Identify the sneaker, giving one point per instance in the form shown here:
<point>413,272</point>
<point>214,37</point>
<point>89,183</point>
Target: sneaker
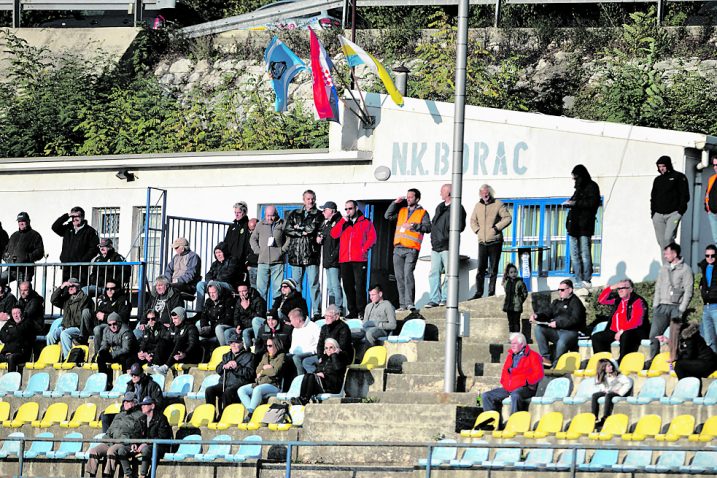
<point>402,309</point>
<point>431,305</point>
<point>442,303</point>
<point>163,369</point>
<point>153,369</point>
<point>587,284</point>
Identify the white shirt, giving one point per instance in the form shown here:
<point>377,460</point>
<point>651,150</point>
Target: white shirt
<point>305,339</point>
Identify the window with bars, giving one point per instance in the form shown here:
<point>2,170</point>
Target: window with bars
<point>539,223</point>
<point>106,220</point>
<point>154,240</point>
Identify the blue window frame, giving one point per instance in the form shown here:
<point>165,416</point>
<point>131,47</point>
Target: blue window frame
<point>540,223</point>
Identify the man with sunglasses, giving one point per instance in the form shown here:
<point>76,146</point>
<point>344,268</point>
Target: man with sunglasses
<point>75,323</point>
<point>118,346</point>
<point>708,290</point>
<point>112,300</point>
<point>559,324</point>
<point>629,322</point>
<point>711,198</point>
<point>79,243</point>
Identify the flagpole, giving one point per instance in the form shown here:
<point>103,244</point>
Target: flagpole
<point>365,116</point>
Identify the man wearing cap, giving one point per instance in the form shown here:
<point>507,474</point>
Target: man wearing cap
<point>25,245</point>
<point>330,253</point>
<point>304,341</point>
<point>236,240</point>
<point>76,320</point>
<point>668,201</point>
<point>267,241</point>
<point>235,369</point>
<point>79,243</point>
<point>184,337</point>
<point>412,223</point>
<point>118,346</point>
<point>287,300</point>
<point>143,386</point>
<point>112,300</point>
<point>100,274</point>
<point>184,270</point>
<point>155,427</point>
<point>125,426</point>
<point>302,250</point>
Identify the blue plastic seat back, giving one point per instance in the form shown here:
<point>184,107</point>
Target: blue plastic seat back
<point>38,383</point>
<point>686,389</point>
<point>67,383</point>
<point>539,456</point>
<point>41,447</point>
<point>10,382</point>
<point>190,449</point>
<point>120,383</point>
<point>95,383</point>
<point>652,389</point>
<point>566,457</point>
<point>354,324</point>
<point>320,323</point>
<point>604,458</point>
<point>507,455</point>
<point>160,379</point>
<point>475,456</point>
<point>583,392</point>
<point>638,458</point>
<point>599,327</point>
<point>294,389</point>
<point>671,459</point>
<point>181,385</point>
<point>445,453</point>
<point>10,446</point>
<point>250,448</point>
<point>705,459</point>
<point>556,389</point>
<point>209,381</point>
<point>68,448</point>
<point>219,448</point>
<point>413,329</point>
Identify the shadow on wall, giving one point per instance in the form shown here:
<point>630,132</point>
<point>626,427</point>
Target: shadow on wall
<point>620,273</point>
<point>654,270</point>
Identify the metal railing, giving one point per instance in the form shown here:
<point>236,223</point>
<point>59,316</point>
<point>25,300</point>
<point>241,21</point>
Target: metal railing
<point>292,445</point>
<point>135,7</point>
<point>203,235</point>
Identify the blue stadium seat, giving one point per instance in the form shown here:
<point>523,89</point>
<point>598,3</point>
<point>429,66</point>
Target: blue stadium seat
<point>566,460</point>
<point>208,381</point>
<point>686,389</point>
<point>217,449</point>
<point>40,448</point>
<point>537,459</point>
<point>118,387</point>
<point>557,389</point>
<point>651,391</point>
<point>65,385</point>
<point>250,449</point>
<point>412,331</point>
<point>588,342</point>
<point>294,389</point>
<point>635,460</point>
<point>601,460</point>
<point>94,385</point>
<point>38,383</point>
<point>185,450</point>
<point>702,462</point>
<point>10,383</point>
<point>180,386</point>
<point>67,449</point>
<point>472,456</point>
<point>11,447</point>
<point>668,461</point>
<point>504,457</point>
<point>710,397</point>
<point>441,454</point>
<point>583,393</point>
<point>160,379</point>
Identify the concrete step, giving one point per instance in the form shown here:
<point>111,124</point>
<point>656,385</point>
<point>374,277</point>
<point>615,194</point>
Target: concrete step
<point>470,367</point>
<point>434,383</point>
<point>465,399</point>
<point>486,353</point>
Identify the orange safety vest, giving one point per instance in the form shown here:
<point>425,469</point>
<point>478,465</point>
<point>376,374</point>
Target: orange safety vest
<point>710,184</point>
<point>408,237</point>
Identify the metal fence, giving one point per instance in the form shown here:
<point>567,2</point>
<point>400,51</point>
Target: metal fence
<point>203,235</point>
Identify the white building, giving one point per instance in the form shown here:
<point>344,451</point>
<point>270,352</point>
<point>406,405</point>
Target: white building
<point>526,157</point>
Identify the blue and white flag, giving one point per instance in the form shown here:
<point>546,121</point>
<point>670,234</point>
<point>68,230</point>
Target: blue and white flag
<point>283,65</point>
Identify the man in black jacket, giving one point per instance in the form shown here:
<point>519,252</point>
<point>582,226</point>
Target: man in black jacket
<point>249,315</point>
<point>25,245</point>
<point>143,386</point>
<point>302,249</point>
<point>559,324</point>
<point>79,243</point>
<point>154,345</point>
<point>580,224</point>
<point>217,315</point>
<point>288,300</point>
<point>112,300</point>
<point>668,201</point>
<point>335,328</point>
<point>7,302</point>
<point>235,369</point>
<point>223,272</point>
<point>33,306</point>
<point>330,253</point>
<point>185,342</point>
<point>237,239</point>
<point>99,275</point>
<point>154,427</point>
<point>708,290</point>
<point>440,229</point>
<point>18,336</point>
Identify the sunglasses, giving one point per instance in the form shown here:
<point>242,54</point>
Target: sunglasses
<point>110,288</point>
<point>349,209</point>
<point>270,346</point>
<point>561,289</point>
<point>623,288</point>
<point>72,286</point>
<point>709,255</point>
<point>76,217</point>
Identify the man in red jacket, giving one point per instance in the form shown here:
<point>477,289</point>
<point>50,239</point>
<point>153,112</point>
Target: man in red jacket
<point>522,371</point>
<point>356,236</point>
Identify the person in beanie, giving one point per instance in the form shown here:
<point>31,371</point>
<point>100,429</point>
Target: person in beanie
<point>25,245</point>
<point>184,337</point>
<point>154,345</point>
<point>184,270</point>
<point>112,300</point>
<point>79,243</point>
<point>580,224</point>
<point>118,346</point>
<point>668,201</point>
<point>235,370</point>
<point>224,272</point>
<point>288,300</point>
<point>99,274</point>
<point>76,321</point>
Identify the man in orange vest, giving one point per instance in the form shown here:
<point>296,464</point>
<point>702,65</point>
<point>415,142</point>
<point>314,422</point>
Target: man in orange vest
<point>412,222</point>
<point>711,199</point>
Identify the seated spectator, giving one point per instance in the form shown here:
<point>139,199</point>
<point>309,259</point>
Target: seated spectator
<point>7,302</point>
<point>126,425</point>
<point>155,427</point>
<point>112,299</point>
<point>379,318</point>
<point>628,322</point>
<point>522,371</point>
<point>162,300</point>
<point>223,272</point>
<point>154,346</point>
<point>184,270</point>
<point>329,375</point>
<point>24,246</point>
<point>335,328</point>
<point>219,312</point>
<point>559,324</point>
<point>99,275</point>
<point>143,386</point>
<point>18,338</point>
<point>76,321</point>
<point>118,346</point>
<point>235,370</point>
<point>609,383</point>
<point>304,340</point>
<point>288,300</point>
<point>690,354</point>
<point>184,340</point>
<point>33,307</point>
<point>249,315</point>
<point>273,328</point>
<point>268,377</point>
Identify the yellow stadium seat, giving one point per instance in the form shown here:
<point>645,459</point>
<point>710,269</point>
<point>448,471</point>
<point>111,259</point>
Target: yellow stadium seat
<point>256,418</point>
<point>581,424</point>
<point>682,426</point>
<point>519,422</point>
<point>55,414</point>
<point>49,356</point>
<point>4,411</point>
<point>549,424</point>
<point>68,365</point>
<point>567,363</point>
<point>659,366</point>
<point>375,357</point>
<point>633,362</point>
<point>648,426</point>
<point>708,432</point>
<point>297,419</point>
<point>111,409</point>
<point>175,414</point>
<point>591,368</point>
<point>26,414</point>
<point>84,415</point>
<point>232,416</point>
<point>215,359</point>
<point>202,416</point>
<point>491,418</point>
<point>615,425</point>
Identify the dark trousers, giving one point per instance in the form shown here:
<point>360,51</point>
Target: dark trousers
<point>105,361</point>
<point>225,395</point>
<point>310,386</point>
<point>13,360</point>
<point>513,321</point>
<point>353,276</point>
<point>608,403</point>
<point>693,368</point>
<point>488,259</point>
<point>629,341</point>
<point>519,399</point>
